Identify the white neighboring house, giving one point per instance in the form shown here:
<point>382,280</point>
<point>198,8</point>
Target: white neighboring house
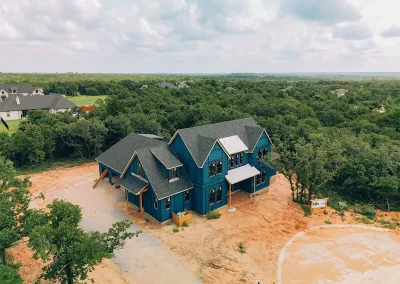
<point>25,90</point>
<point>17,106</point>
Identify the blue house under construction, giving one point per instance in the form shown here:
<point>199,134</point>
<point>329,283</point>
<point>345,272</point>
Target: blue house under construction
<point>197,170</point>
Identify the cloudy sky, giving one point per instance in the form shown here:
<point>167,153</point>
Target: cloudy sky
<point>199,36</point>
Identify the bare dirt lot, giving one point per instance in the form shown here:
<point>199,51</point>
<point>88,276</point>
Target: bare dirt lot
<point>343,255</point>
<point>206,251</point>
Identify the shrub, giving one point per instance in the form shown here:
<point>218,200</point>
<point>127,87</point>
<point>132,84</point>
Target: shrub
<point>213,215</point>
<point>328,222</point>
<point>175,230</point>
<point>325,212</point>
<point>241,248</point>
<point>306,210</point>
<point>341,213</point>
<point>369,211</point>
<point>147,219</point>
<point>185,224</point>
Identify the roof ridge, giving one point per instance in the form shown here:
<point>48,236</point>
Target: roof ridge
<point>218,123</point>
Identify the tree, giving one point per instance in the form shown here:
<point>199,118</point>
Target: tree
<point>14,201</point>
<point>72,252</point>
<point>9,275</point>
<point>28,145</point>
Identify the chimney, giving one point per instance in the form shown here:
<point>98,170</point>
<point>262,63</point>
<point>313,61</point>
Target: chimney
<point>17,100</point>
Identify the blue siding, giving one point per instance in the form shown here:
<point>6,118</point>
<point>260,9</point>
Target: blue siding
<point>262,142</point>
<point>110,173</point>
<point>203,183</point>
<point>195,174</point>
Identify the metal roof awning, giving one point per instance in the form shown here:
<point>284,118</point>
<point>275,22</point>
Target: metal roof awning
<point>233,144</point>
<point>241,173</point>
<point>134,184</point>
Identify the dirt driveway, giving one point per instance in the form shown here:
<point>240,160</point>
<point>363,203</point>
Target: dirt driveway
<point>143,259</point>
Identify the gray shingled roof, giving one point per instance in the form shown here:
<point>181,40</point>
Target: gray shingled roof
<point>166,156</point>
<point>152,136</point>
<point>166,85</point>
<point>118,156</point>
<point>52,101</point>
<point>159,182</point>
<point>19,88</point>
<point>200,139</point>
<point>133,184</point>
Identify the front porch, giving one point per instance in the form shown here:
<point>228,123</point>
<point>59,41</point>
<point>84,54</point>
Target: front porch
<point>242,176</point>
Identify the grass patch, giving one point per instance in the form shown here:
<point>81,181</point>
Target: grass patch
<point>306,210</point>
<point>241,248</point>
<point>50,165</point>
<point>175,230</point>
<point>185,224</point>
<point>213,215</point>
<point>85,100</point>
<point>364,220</point>
<point>341,213</point>
<point>383,222</point>
<point>12,124</point>
<point>325,212</point>
<point>147,219</point>
<point>328,222</point>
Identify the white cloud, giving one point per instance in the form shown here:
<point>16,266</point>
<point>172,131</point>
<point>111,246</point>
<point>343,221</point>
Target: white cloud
<point>352,32</point>
<point>199,35</point>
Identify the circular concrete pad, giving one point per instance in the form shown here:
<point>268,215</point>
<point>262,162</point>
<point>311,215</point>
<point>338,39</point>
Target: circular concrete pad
<point>341,255</point>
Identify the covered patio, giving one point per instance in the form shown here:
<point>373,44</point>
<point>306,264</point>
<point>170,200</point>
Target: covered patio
<point>238,175</point>
<point>136,186</point>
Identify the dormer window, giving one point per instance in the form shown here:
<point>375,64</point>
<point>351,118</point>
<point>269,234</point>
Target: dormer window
<point>173,174</point>
<point>2,92</point>
<point>36,91</point>
<point>14,91</point>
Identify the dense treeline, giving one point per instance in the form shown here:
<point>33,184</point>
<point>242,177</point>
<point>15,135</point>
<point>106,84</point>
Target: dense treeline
<point>345,147</point>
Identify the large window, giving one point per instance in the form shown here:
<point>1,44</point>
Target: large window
<point>258,179</point>
<point>155,202</point>
<point>187,195</point>
<point>261,177</point>
<point>139,169</point>
<point>236,160</point>
<point>215,168</point>
<point>211,197</point>
<point>167,203</point>
<point>214,195</point>
<point>219,194</point>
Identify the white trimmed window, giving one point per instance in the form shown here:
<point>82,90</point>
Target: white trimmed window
<point>167,203</point>
<point>187,196</point>
<point>155,202</point>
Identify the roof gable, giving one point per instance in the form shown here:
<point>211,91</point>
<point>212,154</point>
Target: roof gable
<point>200,139</point>
<point>119,156</point>
<point>156,177</point>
